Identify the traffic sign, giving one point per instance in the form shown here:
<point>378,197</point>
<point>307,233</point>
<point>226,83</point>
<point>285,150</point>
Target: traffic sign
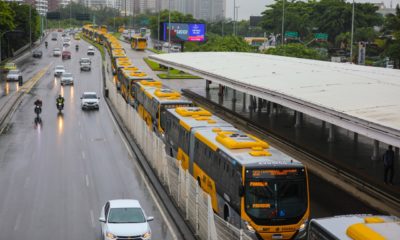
<point>321,36</point>
<point>293,35</point>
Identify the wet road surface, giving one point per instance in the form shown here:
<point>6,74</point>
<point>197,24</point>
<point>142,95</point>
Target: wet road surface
<point>55,177</point>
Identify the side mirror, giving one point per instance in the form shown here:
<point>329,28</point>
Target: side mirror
<point>241,191</point>
<point>81,97</point>
<point>102,219</point>
<point>151,218</point>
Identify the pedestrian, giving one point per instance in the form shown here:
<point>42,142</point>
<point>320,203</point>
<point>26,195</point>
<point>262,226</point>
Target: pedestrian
<point>388,164</point>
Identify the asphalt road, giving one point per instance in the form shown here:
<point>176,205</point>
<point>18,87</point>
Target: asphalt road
<point>55,177</point>
<point>326,199</point>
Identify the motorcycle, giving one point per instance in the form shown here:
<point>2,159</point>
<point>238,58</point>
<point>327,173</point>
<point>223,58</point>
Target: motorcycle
<point>77,47</point>
<point>60,107</point>
<point>38,110</point>
<point>45,44</point>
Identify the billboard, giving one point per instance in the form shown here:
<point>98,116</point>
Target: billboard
<point>183,32</point>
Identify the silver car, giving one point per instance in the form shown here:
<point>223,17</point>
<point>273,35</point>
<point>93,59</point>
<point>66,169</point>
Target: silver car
<point>67,79</point>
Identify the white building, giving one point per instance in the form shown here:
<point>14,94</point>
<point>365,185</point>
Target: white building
<point>209,10</point>
<point>40,5</point>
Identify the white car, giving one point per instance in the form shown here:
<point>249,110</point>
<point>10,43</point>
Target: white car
<point>56,52</point>
<point>89,100</point>
<point>67,79</point>
<point>175,49</point>
<point>124,219</point>
<point>14,75</point>
<point>90,50</point>
<point>59,70</point>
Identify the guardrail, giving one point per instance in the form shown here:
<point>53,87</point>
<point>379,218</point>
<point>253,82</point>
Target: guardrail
<point>193,202</point>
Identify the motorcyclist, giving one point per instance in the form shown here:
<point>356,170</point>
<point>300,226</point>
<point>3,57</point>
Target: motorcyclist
<point>38,109</point>
<point>60,100</point>
<point>38,103</point>
<point>45,44</point>
<point>77,47</point>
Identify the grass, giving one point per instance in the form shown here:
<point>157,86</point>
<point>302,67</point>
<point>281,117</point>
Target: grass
<point>176,74</point>
<point>153,65</point>
<point>98,46</point>
<point>155,51</point>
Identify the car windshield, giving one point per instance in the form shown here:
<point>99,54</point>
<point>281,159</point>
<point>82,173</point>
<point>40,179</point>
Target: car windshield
<point>67,75</point>
<point>90,96</point>
<point>60,67</point>
<point>85,60</point>
<point>14,72</point>
<point>57,49</point>
<point>10,65</point>
<point>276,197</point>
<point>126,215</point>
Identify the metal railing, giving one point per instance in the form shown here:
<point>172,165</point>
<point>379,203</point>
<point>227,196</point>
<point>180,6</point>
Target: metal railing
<point>194,204</point>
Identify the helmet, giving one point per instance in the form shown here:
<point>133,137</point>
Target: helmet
<point>59,96</point>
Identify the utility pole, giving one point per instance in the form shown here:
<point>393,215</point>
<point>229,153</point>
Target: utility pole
<point>30,27</point>
<point>234,17</point>
<point>352,33</point>
<point>169,30</point>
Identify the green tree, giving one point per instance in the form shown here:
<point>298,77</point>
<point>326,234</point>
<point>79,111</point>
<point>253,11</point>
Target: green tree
<point>216,43</point>
<point>6,24</point>
<point>296,50</point>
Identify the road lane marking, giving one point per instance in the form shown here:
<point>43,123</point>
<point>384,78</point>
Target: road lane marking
<point>145,180</point>
<point>87,180</point>
<point>80,136</point>
<point>83,155</point>
<point>27,180</point>
<point>17,222</point>
<point>92,218</point>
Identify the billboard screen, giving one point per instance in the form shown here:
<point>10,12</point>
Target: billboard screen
<point>187,32</point>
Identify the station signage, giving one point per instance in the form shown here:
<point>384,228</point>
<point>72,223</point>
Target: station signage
<point>183,32</point>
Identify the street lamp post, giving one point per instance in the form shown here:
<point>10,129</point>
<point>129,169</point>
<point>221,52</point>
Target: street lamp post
<point>352,33</point>
<point>234,17</point>
<point>30,27</point>
<point>169,30</point>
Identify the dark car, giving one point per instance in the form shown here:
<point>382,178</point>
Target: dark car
<point>37,54</point>
<point>66,55</point>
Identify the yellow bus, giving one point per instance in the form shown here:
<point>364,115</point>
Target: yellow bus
<point>250,183</point>
<point>138,43</point>
<point>128,77</point>
<point>355,227</point>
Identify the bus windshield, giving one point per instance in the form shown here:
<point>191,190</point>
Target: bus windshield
<point>276,200</point>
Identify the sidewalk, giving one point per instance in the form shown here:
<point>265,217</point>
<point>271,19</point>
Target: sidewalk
<point>344,152</point>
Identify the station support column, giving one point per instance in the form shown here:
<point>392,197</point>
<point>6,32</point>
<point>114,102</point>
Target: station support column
<point>331,137</point>
<point>244,102</point>
<point>375,151</point>
<point>208,82</point>
<point>298,119</point>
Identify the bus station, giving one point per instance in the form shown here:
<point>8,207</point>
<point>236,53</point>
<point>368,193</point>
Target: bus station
<point>344,115</point>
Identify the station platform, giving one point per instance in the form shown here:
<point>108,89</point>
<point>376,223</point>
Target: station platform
<point>347,151</point>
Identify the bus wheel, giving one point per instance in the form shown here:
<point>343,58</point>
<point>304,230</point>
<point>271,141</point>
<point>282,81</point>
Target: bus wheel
<point>226,212</point>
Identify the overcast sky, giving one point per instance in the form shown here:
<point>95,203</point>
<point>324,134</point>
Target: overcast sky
<point>249,8</point>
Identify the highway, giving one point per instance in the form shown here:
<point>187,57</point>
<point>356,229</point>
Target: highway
<point>326,199</point>
<point>55,177</point>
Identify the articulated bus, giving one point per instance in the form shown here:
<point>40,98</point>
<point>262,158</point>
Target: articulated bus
<point>128,77</point>
<point>151,99</point>
<point>121,63</point>
<point>355,227</point>
<point>138,43</point>
<point>118,57</point>
<point>250,183</point>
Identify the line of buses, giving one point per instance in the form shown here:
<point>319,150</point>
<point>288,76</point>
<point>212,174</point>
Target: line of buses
<point>252,185</point>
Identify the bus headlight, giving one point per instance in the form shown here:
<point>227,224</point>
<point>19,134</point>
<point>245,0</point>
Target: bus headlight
<point>303,226</point>
<point>249,227</point>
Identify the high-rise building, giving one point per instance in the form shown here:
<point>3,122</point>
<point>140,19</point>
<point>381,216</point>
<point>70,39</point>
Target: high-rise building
<point>40,5</point>
<point>209,10</point>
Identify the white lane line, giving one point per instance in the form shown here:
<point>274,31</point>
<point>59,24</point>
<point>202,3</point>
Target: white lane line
<point>17,222</point>
<point>80,136</point>
<point>151,191</point>
<point>92,218</point>
<point>79,123</point>
<point>27,180</point>
<point>83,155</point>
<point>87,180</point>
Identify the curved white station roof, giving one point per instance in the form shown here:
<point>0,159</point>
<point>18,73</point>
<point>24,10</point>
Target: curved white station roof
<point>363,99</point>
